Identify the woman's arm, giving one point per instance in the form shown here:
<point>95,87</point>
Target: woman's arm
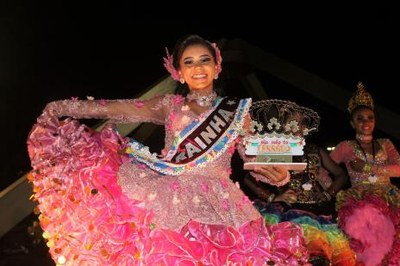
<point>255,187</point>
<point>341,152</point>
<point>339,175</point>
<point>124,111</point>
<point>392,166</point>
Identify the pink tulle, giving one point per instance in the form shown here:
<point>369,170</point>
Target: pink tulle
<point>87,220</point>
<point>221,245</point>
<point>368,222</point>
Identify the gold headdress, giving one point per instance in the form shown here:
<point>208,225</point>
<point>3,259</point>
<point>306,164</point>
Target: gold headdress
<point>360,98</point>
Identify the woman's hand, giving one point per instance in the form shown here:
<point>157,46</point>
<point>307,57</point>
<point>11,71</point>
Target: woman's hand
<point>275,173</point>
<point>289,196</point>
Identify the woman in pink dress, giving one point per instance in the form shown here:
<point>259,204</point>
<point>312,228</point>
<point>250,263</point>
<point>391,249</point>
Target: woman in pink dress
<point>107,200</point>
<point>369,210</point>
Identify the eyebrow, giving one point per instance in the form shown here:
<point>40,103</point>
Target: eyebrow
<point>191,57</point>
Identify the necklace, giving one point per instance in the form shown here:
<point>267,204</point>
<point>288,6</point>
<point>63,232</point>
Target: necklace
<point>360,137</point>
<point>202,100</point>
<point>367,167</point>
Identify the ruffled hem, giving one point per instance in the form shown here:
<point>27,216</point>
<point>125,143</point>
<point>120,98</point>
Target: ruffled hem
<point>387,192</point>
<point>88,220</point>
<point>323,238</point>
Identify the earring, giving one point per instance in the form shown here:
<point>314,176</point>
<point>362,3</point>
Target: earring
<point>216,76</point>
<point>181,80</point>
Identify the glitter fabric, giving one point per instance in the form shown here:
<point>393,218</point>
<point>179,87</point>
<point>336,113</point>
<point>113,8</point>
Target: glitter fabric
<point>369,211</point>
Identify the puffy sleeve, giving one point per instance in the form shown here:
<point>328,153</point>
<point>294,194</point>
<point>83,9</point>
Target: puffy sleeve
<point>153,110</point>
<point>391,151</point>
<point>392,165</point>
<point>341,153</point>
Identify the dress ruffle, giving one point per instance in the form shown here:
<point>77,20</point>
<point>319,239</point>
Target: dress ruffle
<point>88,220</point>
<point>369,210</point>
<point>362,215</point>
<point>322,235</point>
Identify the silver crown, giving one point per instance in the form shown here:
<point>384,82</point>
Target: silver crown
<point>283,117</point>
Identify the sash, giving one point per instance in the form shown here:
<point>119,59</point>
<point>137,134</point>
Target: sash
<point>202,137</point>
<point>200,142</point>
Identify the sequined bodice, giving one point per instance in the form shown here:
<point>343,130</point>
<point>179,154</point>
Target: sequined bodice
<point>348,151</point>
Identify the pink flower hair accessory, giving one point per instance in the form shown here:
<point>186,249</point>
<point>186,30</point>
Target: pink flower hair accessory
<point>168,64</point>
<point>218,57</point>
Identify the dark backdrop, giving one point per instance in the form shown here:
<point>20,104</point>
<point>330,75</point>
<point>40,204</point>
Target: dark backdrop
<point>52,51</point>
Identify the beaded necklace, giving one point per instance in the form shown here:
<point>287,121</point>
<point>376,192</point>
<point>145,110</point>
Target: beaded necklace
<point>368,167</point>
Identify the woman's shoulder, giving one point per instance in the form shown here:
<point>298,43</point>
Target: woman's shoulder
<point>231,97</point>
<point>345,143</point>
<point>344,147</point>
<point>169,99</point>
<point>172,96</point>
<point>384,142</point>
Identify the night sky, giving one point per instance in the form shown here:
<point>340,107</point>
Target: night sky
<point>59,50</point>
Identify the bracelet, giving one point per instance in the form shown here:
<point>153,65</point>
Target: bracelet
<point>331,192</point>
<point>327,195</point>
<point>271,197</point>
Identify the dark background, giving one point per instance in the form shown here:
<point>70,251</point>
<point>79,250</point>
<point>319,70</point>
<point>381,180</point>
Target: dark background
<point>58,50</point>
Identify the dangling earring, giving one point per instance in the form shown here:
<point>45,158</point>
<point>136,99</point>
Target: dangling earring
<point>216,76</point>
<point>181,80</point>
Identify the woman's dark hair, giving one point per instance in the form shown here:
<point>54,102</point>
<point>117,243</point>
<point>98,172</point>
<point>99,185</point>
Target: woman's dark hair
<point>180,47</point>
<point>189,40</point>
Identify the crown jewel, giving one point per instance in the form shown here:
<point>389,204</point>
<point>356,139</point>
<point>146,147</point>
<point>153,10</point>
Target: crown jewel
<point>360,98</point>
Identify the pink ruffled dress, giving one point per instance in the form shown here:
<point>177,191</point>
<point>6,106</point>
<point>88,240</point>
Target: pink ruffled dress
<point>369,211</point>
<point>107,200</point>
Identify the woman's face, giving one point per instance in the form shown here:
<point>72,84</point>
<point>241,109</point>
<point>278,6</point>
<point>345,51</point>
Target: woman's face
<point>363,121</point>
<point>198,68</point>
